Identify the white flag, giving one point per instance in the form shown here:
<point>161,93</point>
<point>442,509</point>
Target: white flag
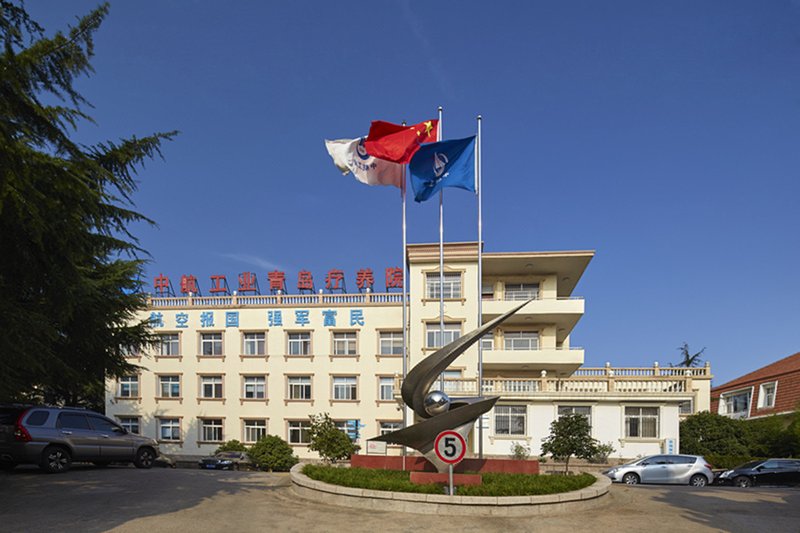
<point>350,155</point>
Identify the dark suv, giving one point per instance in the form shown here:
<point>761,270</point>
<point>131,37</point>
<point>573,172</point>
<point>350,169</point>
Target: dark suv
<point>54,437</point>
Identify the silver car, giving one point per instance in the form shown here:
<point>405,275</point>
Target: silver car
<point>679,469</point>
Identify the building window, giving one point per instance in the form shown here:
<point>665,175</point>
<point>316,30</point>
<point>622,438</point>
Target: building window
<point>452,381</point>
<point>128,387</point>
<point>299,344</point>
<point>487,342</point>
<point>211,343</point>
<point>345,388</point>
<point>521,291</point>
<point>487,291</point>
<point>433,334</point>
<point>211,429</point>
<point>686,407</point>
<point>211,387</point>
<point>254,430</point>
<point>391,342</point>
<point>521,340</point>
<point>766,395</point>
<point>255,388</point>
<point>169,429</point>
<point>641,422</point>
<point>451,288</point>
<point>386,389</point>
<point>344,343</point>
<point>299,387</point>
<point>254,344</point>
<point>298,432</point>
<point>584,410</point>
<point>169,386</point>
<point>509,419</point>
<point>389,426</point>
<point>735,404</point>
<point>130,423</point>
<point>169,344</point>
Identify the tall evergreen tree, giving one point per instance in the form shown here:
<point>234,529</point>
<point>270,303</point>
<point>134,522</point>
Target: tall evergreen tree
<point>68,264</point>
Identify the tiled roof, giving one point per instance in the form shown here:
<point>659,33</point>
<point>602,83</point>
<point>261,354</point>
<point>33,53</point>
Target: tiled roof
<point>785,365</point>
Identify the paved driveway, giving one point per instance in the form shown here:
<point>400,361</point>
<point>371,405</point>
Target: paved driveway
<point>125,499</point>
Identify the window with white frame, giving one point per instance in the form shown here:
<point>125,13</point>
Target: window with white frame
<point>169,429</point>
<point>211,387</point>
<point>521,340</point>
<point>452,380</point>
<point>386,388</point>
<point>211,344</point>
<point>299,343</point>
<point>487,291</point>
<point>686,407</point>
<point>583,410</point>
<point>211,429</point>
<point>344,343</point>
<point>169,344</point>
<point>299,387</point>
<point>487,342</point>
<point>128,387</point>
<point>299,432</point>
<point>391,342</point>
<point>254,344</point>
<point>641,422</point>
<point>510,419</point>
<point>130,423</point>
<point>255,388</point>
<point>169,386</point>
<point>345,388</point>
<point>387,426</point>
<point>521,291</point>
<point>735,404</point>
<point>254,429</point>
<point>451,288</point>
<point>433,334</point>
<point>766,395</point>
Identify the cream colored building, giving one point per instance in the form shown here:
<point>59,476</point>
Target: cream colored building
<point>238,367</point>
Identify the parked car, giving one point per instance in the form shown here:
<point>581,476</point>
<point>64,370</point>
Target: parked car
<point>54,437</point>
<point>680,469</point>
<point>226,461</point>
<point>764,472</point>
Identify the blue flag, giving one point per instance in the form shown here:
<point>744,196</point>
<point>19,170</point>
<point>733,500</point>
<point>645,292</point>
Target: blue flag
<point>443,164</point>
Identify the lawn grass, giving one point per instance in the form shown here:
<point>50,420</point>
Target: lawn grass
<point>494,484</point>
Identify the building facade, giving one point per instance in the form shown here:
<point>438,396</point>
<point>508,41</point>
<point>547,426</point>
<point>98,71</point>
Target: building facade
<point>771,390</point>
<point>234,365</point>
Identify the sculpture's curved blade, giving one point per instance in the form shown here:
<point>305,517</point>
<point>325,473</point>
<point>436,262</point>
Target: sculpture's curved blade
<point>419,380</point>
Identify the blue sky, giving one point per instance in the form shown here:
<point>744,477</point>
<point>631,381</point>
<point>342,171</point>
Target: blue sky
<point>663,135</point>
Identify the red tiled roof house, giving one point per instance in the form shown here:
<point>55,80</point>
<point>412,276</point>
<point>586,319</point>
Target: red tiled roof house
<point>770,390</point>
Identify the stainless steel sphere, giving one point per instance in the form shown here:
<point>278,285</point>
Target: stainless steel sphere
<point>436,403</point>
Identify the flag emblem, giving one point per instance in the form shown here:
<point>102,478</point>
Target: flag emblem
<point>440,165</point>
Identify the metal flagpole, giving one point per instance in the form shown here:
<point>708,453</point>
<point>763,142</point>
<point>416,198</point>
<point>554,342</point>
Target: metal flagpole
<point>405,304</point>
<point>480,280</point>
<point>441,257</point>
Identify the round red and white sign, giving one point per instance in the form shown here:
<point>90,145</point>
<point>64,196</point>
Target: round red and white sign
<point>450,447</point>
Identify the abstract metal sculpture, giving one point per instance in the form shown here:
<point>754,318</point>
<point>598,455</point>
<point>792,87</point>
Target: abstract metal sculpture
<point>438,411</point>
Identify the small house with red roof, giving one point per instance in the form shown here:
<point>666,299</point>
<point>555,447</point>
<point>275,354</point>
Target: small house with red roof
<point>771,390</point>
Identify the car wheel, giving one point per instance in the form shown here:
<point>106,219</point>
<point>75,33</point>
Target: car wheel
<point>55,460</point>
<point>630,479</point>
<point>743,481</point>
<point>145,458</point>
<point>698,480</point>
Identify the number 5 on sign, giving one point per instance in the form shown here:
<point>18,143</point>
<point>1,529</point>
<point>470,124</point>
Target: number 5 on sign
<point>450,447</point>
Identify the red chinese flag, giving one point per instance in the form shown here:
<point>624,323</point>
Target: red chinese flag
<point>397,143</point>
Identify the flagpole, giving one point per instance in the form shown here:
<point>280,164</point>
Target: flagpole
<point>405,303</point>
<point>441,257</point>
<point>478,187</point>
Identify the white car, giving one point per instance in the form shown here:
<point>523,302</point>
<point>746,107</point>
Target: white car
<point>678,469</point>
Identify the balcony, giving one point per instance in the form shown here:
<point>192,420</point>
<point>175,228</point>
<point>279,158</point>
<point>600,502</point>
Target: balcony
<point>555,360</point>
<point>563,312</point>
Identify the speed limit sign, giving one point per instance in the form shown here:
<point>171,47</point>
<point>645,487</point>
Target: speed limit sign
<point>450,447</point>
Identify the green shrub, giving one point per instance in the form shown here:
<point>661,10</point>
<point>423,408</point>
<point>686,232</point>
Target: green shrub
<point>602,453</point>
<point>331,443</point>
<point>231,446</point>
<point>519,451</point>
<point>273,453</point>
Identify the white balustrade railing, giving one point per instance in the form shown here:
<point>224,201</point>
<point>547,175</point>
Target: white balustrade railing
<point>273,300</point>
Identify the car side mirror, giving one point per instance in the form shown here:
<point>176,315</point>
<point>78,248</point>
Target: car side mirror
<point>760,468</point>
<point>644,464</point>
<point>122,431</point>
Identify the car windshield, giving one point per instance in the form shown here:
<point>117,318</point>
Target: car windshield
<point>227,455</point>
<point>751,464</point>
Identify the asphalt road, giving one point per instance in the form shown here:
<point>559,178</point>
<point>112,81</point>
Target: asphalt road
<point>124,499</point>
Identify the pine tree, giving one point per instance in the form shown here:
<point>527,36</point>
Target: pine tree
<point>68,264</point>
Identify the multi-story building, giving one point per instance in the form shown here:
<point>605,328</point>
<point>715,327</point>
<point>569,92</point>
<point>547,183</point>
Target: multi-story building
<point>771,390</point>
<point>238,366</point>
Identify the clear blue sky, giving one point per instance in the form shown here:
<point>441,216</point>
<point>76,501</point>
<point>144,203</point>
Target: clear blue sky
<point>663,135</point>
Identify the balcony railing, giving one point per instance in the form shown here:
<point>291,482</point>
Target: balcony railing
<point>268,300</point>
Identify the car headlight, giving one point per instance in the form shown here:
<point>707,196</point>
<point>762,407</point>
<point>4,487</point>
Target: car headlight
<point>726,473</point>
<point>611,471</point>
<point>225,462</point>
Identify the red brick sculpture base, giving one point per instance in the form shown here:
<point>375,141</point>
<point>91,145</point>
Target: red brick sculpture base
<point>420,464</point>
<point>423,478</point>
